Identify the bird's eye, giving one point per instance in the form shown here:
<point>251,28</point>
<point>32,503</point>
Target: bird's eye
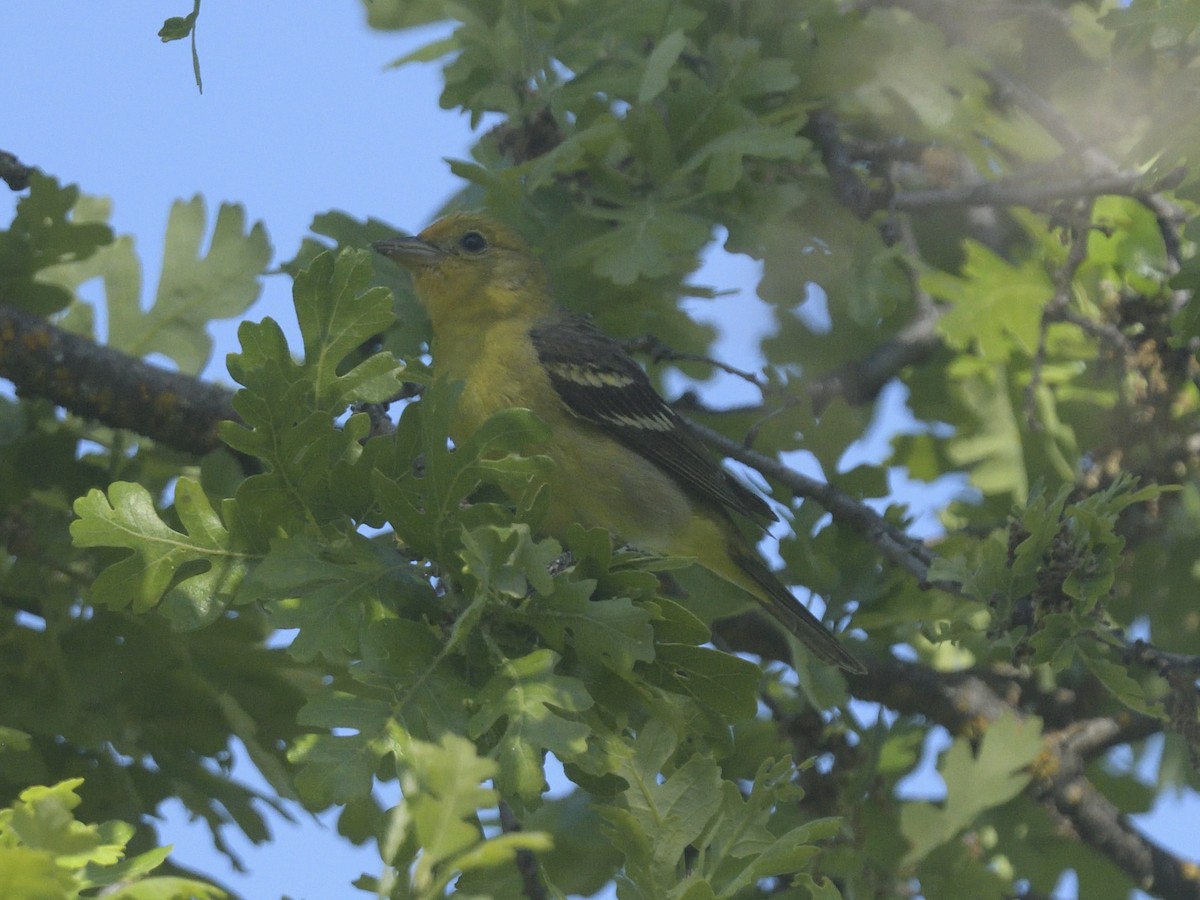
<point>473,242</point>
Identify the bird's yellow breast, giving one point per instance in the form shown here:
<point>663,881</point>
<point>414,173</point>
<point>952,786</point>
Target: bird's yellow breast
<point>596,480</point>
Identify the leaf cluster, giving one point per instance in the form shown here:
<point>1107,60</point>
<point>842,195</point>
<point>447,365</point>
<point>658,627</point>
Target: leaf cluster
<point>92,688</point>
<point>46,852</point>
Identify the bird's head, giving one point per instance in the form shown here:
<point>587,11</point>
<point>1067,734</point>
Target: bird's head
<point>469,268</point>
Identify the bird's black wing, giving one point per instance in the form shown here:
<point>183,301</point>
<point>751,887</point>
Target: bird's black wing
<point>599,382</point>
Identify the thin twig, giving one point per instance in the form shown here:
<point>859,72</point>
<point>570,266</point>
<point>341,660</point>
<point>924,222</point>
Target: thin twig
<point>907,552</point>
<point>660,352</point>
<point>531,877</point>
<point>1055,310</point>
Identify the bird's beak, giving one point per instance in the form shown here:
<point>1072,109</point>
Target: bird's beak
<point>410,252</point>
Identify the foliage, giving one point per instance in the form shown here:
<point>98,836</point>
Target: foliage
<point>373,612</point>
<point>47,853</point>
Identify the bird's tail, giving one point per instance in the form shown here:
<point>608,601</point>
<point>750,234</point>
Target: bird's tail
<point>790,613</point>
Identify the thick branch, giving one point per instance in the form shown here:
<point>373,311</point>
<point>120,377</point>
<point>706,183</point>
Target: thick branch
<point>109,386</point>
<point>962,701</point>
<point>1099,824</point>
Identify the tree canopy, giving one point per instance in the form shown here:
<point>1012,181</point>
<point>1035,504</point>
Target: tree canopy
<point>988,205</point>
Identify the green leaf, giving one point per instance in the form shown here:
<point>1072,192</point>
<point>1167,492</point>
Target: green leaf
<point>394,15</point>
<point>658,66</point>
<point>346,232</point>
<point>407,340</point>
<point>990,442</point>
<point>334,768</point>
<point>724,155</point>
<point>428,512</point>
<point>974,783</point>
<point>659,817</point>
<point>45,852</point>
<point>32,874</point>
<point>1118,682</point>
<point>167,888</point>
<point>441,801</point>
<point>43,819</point>
<point>200,568</point>
<point>298,493</point>
<point>501,849</point>
<point>193,289</point>
<point>46,233</point>
<point>717,681</point>
<point>176,28</point>
<point>430,52</point>
<point>441,784</point>
<point>408,658</point>
<point>287,409</point>
<point>13,739</point>
<point>614,633</point>
<point>530,697</point>
<point>580,862</point>
<point>739,847</point>
<point>648,241</point>
<point>337,315</point>
<point>508,561</point>
<point>789,852</point>
<point>996,306</point>
<point>329,590</point>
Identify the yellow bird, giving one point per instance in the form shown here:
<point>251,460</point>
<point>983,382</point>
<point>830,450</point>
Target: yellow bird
<point>623,459</point>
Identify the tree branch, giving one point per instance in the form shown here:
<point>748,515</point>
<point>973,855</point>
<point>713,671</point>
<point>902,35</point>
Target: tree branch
<point>848,184</point>
<point>1032,189</point>
<point>109,386</point>
<point>660,352</point>
<point>962,701</point>
<point>1102,826</point>
<point>527,866</point>
<point>1022,192</point>
<point>860,381</point>
<point>907,552</point>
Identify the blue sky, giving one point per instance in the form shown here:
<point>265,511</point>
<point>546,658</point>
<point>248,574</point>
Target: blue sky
<point>299,116</point>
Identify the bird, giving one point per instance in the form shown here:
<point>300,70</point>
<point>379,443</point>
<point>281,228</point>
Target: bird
<point>623,459</point>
